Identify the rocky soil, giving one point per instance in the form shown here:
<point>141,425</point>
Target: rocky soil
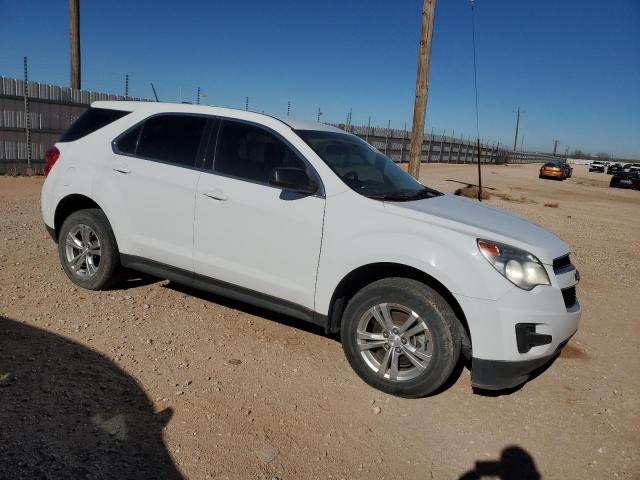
<point>154,380</point>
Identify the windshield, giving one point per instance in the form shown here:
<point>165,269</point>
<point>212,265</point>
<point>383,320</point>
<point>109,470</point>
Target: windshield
<point>363,168</point>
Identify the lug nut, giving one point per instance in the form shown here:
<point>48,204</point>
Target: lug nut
<point>397,349</point>
<point>404,340</point>
<point>385,334</point>
<point>395,331</point>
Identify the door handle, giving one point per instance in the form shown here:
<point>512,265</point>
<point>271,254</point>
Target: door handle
<point>216,194</point>
<point>122,168</point>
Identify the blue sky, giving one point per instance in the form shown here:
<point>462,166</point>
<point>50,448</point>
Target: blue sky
<point>572,65</point>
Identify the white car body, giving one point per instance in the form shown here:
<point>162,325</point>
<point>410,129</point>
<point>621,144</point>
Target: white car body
<point>246,235</point>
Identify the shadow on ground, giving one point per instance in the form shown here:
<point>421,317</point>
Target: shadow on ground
<point>250,309</point>
<point>67,412</point>
<point>515,463</point>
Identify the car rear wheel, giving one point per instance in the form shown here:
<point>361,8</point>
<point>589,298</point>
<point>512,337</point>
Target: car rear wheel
<point>88,250</point>
<point>401,337</point>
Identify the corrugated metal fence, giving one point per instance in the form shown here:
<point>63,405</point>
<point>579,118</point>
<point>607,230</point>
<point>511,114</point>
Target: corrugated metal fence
<point>53,108</point>
<point>440,148</point>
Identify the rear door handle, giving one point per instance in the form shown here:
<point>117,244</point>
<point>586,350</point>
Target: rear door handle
<point>216,194</point>
<point>122,168</point>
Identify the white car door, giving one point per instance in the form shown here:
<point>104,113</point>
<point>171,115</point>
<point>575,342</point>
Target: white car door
<point>250,234</point>
<point>153,182</point>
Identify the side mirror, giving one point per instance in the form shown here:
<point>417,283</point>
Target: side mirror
<point>293,179</point>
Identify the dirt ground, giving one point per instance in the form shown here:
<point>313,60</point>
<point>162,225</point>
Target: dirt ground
<point>153,380</point>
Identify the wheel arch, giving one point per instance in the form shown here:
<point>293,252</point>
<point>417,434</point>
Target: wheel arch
<point>69,204</point>
<point>366,274</point>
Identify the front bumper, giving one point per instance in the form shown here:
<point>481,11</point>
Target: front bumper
<point>513,336</point>
<point>501,374</point>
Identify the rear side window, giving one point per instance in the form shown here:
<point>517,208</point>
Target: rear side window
<point>128,143</point>
<point>251,153</point>
<point>91,120</point>
<point>168,138</point>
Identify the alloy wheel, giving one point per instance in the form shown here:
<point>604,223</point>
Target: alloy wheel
<point>394,341</point>
<point>82,250</point>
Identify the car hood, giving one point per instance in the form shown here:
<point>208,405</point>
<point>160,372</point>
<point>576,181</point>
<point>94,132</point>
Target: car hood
<point>483,221</point>
<point>626,175</point>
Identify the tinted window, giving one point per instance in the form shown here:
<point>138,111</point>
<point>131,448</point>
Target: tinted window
<point>171,138</point>
<point>129,141</point>
<point>251,152</point>
<point>90,121</point>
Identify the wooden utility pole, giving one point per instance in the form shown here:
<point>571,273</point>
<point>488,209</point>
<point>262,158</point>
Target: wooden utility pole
<point>555,146</point>
<point>515,140</point>
<point>422,86</point>
<point>74,42</point>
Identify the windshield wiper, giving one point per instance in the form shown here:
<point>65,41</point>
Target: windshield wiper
<point>424,193</point>
<point>406,195</point>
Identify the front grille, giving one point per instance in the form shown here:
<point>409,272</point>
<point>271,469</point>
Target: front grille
<point>561,263</point>
<point>569,296</point>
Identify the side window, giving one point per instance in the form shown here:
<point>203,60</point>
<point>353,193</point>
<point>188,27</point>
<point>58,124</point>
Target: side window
<point>128,143</point>
<point>91,120</point>
<point>171,138</point>
<point>250,152</point>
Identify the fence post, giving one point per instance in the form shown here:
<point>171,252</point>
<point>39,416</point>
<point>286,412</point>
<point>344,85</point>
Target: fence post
<point>27,115</point>
<point>386,140</point>
<point>441,156</point>
<point>429,149</point>
<point>404,135</point>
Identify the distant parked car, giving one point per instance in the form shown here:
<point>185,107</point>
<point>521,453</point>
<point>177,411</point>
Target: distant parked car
<point>629,179</point>
<point>554,169</point>
<point>634,167</point>
<point>597,166</point>
<point>614,168</point>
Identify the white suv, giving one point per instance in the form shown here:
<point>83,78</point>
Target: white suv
<point>314,223</point>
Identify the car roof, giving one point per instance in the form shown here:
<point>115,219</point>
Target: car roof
<point>160,107</point>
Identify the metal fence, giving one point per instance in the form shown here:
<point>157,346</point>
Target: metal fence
<point>441,148</point>
<point>52,109</point>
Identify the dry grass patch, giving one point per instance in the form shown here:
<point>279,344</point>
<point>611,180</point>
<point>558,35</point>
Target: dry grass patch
<point>471,191</point>
<point>552,204</point>
<point>507,197</point>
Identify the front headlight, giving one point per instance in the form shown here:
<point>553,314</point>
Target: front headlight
<point>521,268</point>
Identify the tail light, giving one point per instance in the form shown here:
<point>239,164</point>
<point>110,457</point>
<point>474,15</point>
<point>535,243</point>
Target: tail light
<point>51,157</point>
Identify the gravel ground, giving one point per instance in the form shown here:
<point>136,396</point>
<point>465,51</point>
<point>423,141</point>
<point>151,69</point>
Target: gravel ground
<point>153,380</point>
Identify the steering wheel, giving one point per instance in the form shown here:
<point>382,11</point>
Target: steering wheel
<point>352,176</point>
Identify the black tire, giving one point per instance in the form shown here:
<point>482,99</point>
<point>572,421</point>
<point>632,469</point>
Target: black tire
<point>431,308</point>
<point>108,269</point>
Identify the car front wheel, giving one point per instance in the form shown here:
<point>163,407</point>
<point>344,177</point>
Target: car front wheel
<point>401,337</point>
